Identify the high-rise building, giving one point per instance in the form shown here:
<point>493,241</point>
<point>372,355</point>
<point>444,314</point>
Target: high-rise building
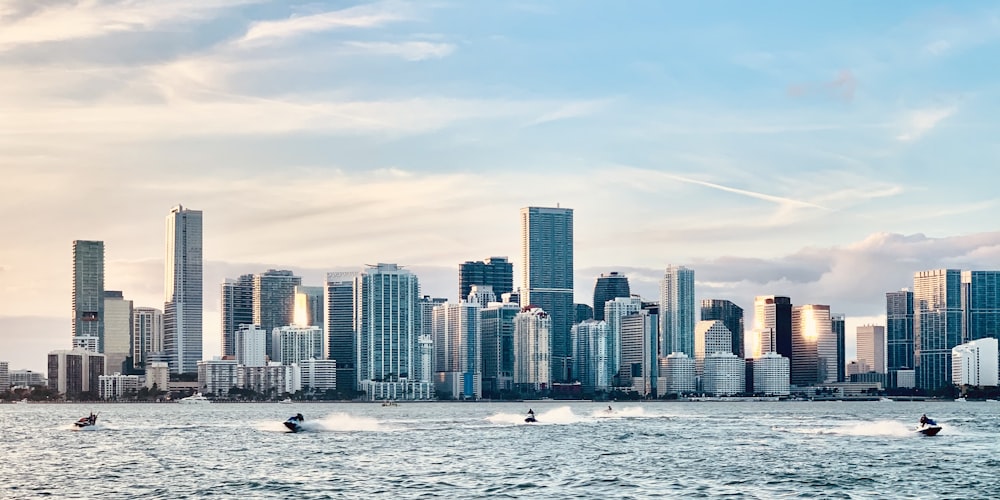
<point>871,347</point>
<point>74,372</point>
<point>676,374</point>
<point>88,290</point>
<point>387,319</point>
<point>590,356</point>
<point>4,377</point>
<point>496,272</point>
<point>117,331</point>
<point>250,346</point>
<point>425,337</point>
<point>547,277</point>
<point>147,334</point>
<point>481,295</point>
<point>532,339</point>
<point>980,304</point>
<point>458,342</point>
<point>274,301</point>
<point>899,330</point>
<point>725,374</point>
<point>183,304</point>
<point>730,315</point>
<point>608,287</point>
<point>773,321</point>
<point>583,313</point>
<point>937,324</point>
<point>614,311</point>
<point>639,336</point>
<point>237,310</point>
<point>838,325</point>
<point>677,310</point>
<point>710,336</point>
<point>771,374</point>
<point>308,307</point>
<point>294,344</point>
<point>497,325</point>
<point>975,363</point>
<point>814,347</point>
<point>339,327</point>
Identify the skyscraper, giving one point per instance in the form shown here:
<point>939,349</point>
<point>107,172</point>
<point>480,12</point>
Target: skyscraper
<point>638,368</point>
<point>458,345</point>
<point>814,348</point>
<point>547,276</point>
<point>147,334</point>
<point>838,325</point>
<point>497,324</point>
<point>980,304</point>
<point>677,310</point>
<point>308,306</point>
<point>88,290</point>
<point>590,356</point>
<point>117,331</point>
<point>237,309</point>
<point>773,321</point>
<point>730,315</point>
<point>496,272</point>
<point>274,301</point>
<point>710,337</point>
<point>532,338</point>
<point>339,327</point>
<point>937,324</point>
<point>182,311</point>
<point>899,330</point>
<point>871,347</point>
<point>609,286</point>
<point>614,311</point>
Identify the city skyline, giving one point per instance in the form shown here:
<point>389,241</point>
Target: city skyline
<point>778,161</point>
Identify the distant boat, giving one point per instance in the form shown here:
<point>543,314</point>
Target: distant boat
<point>885,400</point>
<point>196,398</point>
<point>21,402</point>
<point>286,401</point>
<point>960,400</point>
<point>389,403</point>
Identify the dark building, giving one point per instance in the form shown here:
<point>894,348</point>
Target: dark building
<point>494,271</point>
<point>583,313</point>
<point>609,286</point>
<point>899,330</point>
<point>838,324</point>
<point>274,302</point>
<point>237,309</point>
<point>730,315</point>
<point>339,327</point>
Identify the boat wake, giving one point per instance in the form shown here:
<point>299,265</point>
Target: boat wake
<point>564,415</point>
<point>893,428</point>
<point>627,412</point>
<point>337,422</point>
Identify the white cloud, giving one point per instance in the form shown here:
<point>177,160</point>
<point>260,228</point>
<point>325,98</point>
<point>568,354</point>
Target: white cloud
<point>411,51</point>
<point>917,123</point>
<point>362,16</point>
<point>572,110</point>
<point>937,47</point>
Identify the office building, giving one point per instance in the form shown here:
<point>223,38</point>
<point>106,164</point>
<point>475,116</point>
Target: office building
<point>937,325</point>
<point>677,310</point>
<point>74,372</point>
<point>639,337</point>
<point>339,327</point>
<point>147,334</point>
<point>773,321</point>
<point>975,363</point>
<point>838,325</point>
<point>547,277</point>
<point>609,286</point>
<point>814,346</point>
<point>308,306</point>
<point>117,331</point>
<point>676,374</point>
<point>294,344</point>
<point>871,347</point>
<point>88,291</point>
<point>497,325</point>
<point>980,305</point>
<point>899,330</point>
<point>771,373</point>
<point>274,301</point>
<point>591,349</point>
<point>183,304</point>
<point>725,374</point>
<point>532,357</point>
<point>730,315</point>
<point>710,337</point>
<point>251,346</point>
<point>237,310</point>
<point>495,272</point>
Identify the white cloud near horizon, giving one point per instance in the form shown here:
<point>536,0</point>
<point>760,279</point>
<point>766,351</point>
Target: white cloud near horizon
<point>360,16</point>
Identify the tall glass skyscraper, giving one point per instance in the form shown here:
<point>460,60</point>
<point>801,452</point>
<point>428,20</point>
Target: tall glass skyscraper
<point>237,309</point>
<point>981,305</point>
<point>677,311</point>
<point>547,277</point>
<point>814,346</point>
<point>339,325</point>
<point>496,272</point>
<point>730,315</point>
<point>838,324</point>
<point>88,290</point>
<point>937,324</point>
<point>899,330</point>
<point>183,303</point>
<point>773,321</point>
<point>609,286</point>
<point>274,302</point>
<point>497,323</point>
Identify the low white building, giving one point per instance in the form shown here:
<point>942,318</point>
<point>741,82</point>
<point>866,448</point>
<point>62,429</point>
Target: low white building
<point>251,346</point>
<point>725,375</point>
<point>676,374</point>
<point>292,344</point>
<point>770,375</point>
<point>117,386</point>
<point>274,379</point>
<point>710,337</point>
<point>158,375</point>
<point>217,376</point>
<point>975,363</point>
<point>317,375</point>
<point>26,378</point>
<point>401,390</point>
<point>4,377</point>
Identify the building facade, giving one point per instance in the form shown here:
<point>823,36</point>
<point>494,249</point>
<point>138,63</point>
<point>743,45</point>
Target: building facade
<point>975,363</point>
<point>771,374</point>
<point>183,303</point>
<point>871,347</point>
<point>710,337</point>
<point>117,386</point>
<point>294,344</point>
<point>638,368</point>
<point>899,330</point>
<point>814,346</point>
<point>338,319</point>
<point>217,376</point>
<point>117,331</point>
<point>237,309</point>
<point>937,325</point>
<point>609,286</point>
<point>147,334</point>
<point>74,372</point>
<point>590,354</point>
<point>532,355</point>
<point>457,336</point>
<point>773,322</point>
<point>980,305</point>
<point>725,375</point>
<point>318,375</point>
<point>88,290</point>
<point>495,272</point>
<point>730,315</point>
<point>274,301</point>
<point>676,375</point>
<point>251,345</point>
<point>497,325</point>
<point>677,310</point>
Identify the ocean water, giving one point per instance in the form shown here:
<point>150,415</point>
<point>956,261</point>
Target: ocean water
<point>485,450</point>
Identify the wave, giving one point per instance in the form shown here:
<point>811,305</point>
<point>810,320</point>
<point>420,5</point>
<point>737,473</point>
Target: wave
<point>893,428</point>
<point>564,415</point>
<point>337,422</point>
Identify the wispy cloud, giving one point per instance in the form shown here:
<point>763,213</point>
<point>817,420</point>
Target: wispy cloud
<point>916,123</point>
<point>572,110</point>
<point>780,200</point>
<point>362,16</point>
<point>411,51</point>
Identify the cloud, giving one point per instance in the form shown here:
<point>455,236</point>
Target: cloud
<point>572,110</point>
<point>916,123</point>
<point>938,47</point>
<point>362,16</point>
<point>411,51</point>
<point>842,87</point>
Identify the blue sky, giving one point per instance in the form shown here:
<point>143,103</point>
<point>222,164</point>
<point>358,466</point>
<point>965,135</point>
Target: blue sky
<point>822,151</point>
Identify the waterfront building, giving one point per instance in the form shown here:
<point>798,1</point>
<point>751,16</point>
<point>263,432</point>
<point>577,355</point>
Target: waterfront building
<point>218,375</point>
<point>26,378</point>
<point>609,286</point>
<point>457,336</point>
<point>88,291</point>
<point>814,346</point>
<point>547,277</point>
<point>710,337</point>
<point>677,310</point>
<point>676,374</point>
<point>183,303</point>
<point>771,374</point>
<point>532,357</point>
<point>975,363</point>
<point>937,325</point>
<point>426,334</point>
<point>481,295</point>
<point>637,370</point>
<point>871,347</point>
<point>237,309</point>
<point>773,320</point>
<point>980,305</point>
<point>274,301</point>
<point>583,313</point>
<point>497,325</point>
<point>87,342</point>
<point>272,380</point>
<point>4,376</point>
<point>308,310</point>
<point>591,342</point>
<point>158,375</point>
<point>425,351</point>
<point>117,386</point>
<point>731,315</point>
<point>838,325</point>
<point>251,345</point>
<point>339,327</point>
<point>725,374</point>
<point>147,334</point>
<point>495,272</point>
<point>117,330</point>
<point>74,372</point>
<point>614,311</point>
<point>317,375</point>
<point>899,330</point>
<point>858,367</point>
<point>294,344</point>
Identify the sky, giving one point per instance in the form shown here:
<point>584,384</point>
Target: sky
<point>821,151</point>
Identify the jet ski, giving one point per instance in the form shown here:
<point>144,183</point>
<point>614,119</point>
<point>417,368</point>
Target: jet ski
<point>929,428</point>
<point>294,423</point>
<point>530,419</point>
<point>88,421</point>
